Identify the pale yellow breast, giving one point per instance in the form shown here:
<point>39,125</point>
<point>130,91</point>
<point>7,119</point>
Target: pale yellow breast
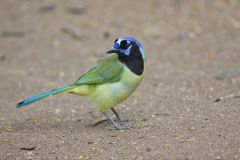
<point>109,94</point>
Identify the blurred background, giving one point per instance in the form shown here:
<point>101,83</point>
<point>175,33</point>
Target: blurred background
<point>186,108</point>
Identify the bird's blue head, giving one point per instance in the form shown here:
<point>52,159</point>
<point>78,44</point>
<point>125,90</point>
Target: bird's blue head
<point>125,45</point>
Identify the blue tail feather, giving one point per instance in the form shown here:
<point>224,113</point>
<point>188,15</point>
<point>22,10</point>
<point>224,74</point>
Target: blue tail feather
<point>44,95</point>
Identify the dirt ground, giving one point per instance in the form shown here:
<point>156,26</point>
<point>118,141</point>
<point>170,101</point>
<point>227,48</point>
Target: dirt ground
<point>187,108</point>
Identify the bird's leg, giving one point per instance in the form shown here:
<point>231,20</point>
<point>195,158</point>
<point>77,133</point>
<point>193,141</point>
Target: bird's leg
<point>113,122</point>
<point>120,118</point>
<point>116,114</point>
<point>116,118</point>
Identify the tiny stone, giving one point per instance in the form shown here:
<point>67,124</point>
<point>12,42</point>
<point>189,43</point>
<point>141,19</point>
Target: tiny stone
<point>76,10</point>
<point>3,58</point>
<point>144,119</point>
<point>148,149</point>
<point>106,34</point>
<point>90,142</point>
<point>45,9</point>
<point>192,128</point>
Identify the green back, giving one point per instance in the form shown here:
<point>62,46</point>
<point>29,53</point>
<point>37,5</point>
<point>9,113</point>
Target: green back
<point>109,71</point>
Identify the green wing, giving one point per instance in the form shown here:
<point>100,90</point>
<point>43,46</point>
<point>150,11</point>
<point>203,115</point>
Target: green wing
<point>108,71</point>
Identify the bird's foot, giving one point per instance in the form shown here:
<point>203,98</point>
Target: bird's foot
<point>122,119</point>
<point>127,122</point>
<point>119,128</point>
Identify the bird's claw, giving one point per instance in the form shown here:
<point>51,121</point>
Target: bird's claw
<point>122,119</point>
<point>119,128</point>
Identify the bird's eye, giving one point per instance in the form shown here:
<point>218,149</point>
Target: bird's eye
<point>124,44</point>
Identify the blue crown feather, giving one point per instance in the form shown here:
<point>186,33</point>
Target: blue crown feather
<point>128,38</point>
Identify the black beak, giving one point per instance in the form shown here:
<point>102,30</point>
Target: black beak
<point>112,50</point>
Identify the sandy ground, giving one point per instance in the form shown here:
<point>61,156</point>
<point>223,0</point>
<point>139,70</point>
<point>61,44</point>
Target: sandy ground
<point>187,108</point>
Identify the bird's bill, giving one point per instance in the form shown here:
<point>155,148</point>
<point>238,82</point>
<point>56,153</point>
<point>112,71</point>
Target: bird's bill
<point>113,50</point>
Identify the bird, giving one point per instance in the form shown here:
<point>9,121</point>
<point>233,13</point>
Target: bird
<point>110,82</point>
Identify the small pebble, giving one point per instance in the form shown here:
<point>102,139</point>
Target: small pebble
<point>76,10</point>
<point>46,9</point>
<point>3,58</point>
<point>90,142</point>
<point>106,34</point>
<point>148,149</point>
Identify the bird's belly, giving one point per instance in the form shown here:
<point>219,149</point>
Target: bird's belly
<point>110,94</point>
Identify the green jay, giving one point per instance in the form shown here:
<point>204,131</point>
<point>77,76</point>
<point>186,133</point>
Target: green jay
<point>110,82</point>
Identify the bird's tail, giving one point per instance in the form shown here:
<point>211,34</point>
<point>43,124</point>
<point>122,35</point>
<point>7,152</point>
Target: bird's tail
<point>45,95</point>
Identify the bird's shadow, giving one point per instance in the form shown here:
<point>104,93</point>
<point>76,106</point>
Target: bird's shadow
<point>37,124</point>
<point>66,125</point>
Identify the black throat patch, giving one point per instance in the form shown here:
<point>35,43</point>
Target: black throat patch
<point>134,61</point>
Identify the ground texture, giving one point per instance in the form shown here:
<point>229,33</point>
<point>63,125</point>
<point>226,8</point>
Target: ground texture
<point>187,108</point>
